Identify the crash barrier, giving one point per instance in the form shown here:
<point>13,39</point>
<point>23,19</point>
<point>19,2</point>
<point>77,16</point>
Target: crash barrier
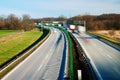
<point>10,64</point>
<point>92,74</point>
<point>71,72</point>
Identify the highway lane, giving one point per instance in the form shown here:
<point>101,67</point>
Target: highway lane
<point>44,63</point>
<point>104,59</point>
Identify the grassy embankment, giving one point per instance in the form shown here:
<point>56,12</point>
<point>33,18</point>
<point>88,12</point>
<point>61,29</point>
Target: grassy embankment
<point>105,37</point>
<point>4,33</point>
<point>12,42</point>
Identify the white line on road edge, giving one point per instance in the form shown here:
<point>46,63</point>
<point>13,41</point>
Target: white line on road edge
<point>79,74</point>
<point>109,56</point>
<point>17,66</point>
<point>91,61</point>
<point>44,61</point>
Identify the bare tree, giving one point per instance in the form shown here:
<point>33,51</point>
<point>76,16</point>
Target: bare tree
<point>2,23</point>
<point>12,22</point>
<point>27,23</point>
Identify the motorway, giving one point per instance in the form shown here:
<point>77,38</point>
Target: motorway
<point>44,63</point>
<point>105,60</point>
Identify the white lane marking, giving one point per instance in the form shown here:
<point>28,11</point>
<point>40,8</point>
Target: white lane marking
<point>43,62</point>
<point>109,56</point>
<point>79,74</point>
<point>23,62</point>
<point>48,56</point>
<point>18,66</point>
<point>39,67</point>
<point>91,61</point>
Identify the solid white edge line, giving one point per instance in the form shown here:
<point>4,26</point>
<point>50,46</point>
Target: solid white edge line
<point>91,61</point>
<point>79,74</point>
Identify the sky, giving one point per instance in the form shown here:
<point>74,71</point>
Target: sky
<point>56,8</point>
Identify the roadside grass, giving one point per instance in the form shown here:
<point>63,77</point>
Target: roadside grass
<point>105,37</point>
<point>8,32</point>
<point>13,46</point>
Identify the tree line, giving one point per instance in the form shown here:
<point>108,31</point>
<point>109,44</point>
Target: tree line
<point>93,22</point>
<point>12,22</point>
<point>100,22</point>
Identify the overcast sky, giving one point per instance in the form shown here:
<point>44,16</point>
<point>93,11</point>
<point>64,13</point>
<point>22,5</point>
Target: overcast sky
<point>55,8</point>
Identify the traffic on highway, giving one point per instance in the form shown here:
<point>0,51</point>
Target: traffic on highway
<point>49,60</point>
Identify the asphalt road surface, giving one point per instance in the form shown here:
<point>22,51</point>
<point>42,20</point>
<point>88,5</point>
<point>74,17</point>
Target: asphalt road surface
<point>104,59</point>
<point>44,63</point>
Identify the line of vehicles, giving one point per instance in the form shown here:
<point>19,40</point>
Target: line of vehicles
<point>69,25</point>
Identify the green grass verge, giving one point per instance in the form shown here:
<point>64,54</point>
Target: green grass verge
<point>104,37</point>
<point>7,32</point>
<point>12,47</point>
<point>34,46</point>
<point>70,51</point>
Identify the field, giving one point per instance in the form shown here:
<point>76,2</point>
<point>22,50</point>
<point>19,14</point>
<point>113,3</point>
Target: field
<point>12,42</point>
<point>4,33</point>
<point>112,35</point>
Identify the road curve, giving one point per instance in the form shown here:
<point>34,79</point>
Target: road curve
<point>44,63</point>
<point>104,59</point>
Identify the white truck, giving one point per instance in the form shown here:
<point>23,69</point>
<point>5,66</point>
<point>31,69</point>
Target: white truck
<point>72,28</point>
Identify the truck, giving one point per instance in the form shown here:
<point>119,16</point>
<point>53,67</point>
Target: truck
<point>72,28</point>
<point>71,25</point>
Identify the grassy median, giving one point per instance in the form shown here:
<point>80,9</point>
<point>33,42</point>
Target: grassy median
<point>12,42</point>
